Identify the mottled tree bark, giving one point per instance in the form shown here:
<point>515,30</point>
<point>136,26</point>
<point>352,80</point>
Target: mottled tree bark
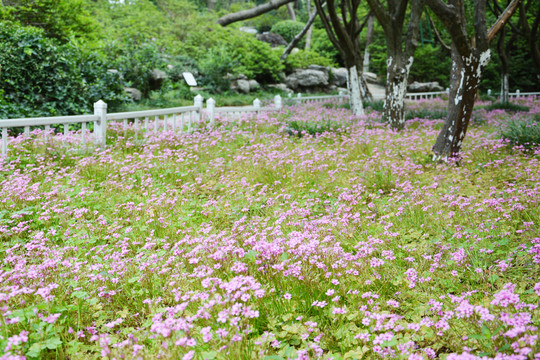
<point>400,54</point>
<point>469,58</point>
<point>464,79</point>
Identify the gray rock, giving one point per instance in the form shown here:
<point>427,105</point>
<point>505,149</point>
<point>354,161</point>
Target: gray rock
<point>157,77</point>
<point>424,87</point>
<point>324,69</point>
<point>242,86</point>
<point>133,93</point>
<point>281,87</point>
<point>273,39</point>
<point>339,77</point>
<point>254,85</point>
<point>371,77</point>
<point>248,29</point>
<point>307,78</point>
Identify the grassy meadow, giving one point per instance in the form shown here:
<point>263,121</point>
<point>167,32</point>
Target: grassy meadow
<point>303,234</point>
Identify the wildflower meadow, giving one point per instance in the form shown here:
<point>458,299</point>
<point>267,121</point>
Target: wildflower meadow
<point>304,234</point>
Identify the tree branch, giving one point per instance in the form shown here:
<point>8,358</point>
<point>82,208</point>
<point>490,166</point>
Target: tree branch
<point>438,35</point>
<point>502,20</point>
<point>299,36</point>
<point>251,13</point>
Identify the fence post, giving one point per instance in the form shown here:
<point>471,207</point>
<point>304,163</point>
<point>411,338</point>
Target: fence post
<point>100,125</point>
<point>210,106</point>
<point>517,93</point>
<point>489,92</point>
<point>198,102</point>
<point>4,141</point>
<point>277,102</point>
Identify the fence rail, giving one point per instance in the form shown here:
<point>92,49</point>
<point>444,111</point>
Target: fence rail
<point>178,118</point>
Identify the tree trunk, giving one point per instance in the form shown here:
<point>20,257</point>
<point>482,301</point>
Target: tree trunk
<point>397,74</point>
<point>354,84</point>
<point>310,28</point>
<point>298,37</point>
<point>504,66</point>
<point>369,39</point>
<point>465,77</point>
<point>211,4</point>
<point>291,12</point>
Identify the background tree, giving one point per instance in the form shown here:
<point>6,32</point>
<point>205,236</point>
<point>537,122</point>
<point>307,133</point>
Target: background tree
<point>470,55</point>
<point>344,31</point>
<point>400,53</point>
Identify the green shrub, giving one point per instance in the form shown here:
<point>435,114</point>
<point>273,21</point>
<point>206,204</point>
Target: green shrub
<point>217,66</point>
<point>288,29</point>
<point>41,77</point>
<point>320,43</point>
<point>375,105</point>
<point>425,114</point>
<point>136,62</point>
<point>300,128</point>
<point>525,133</point>
<point>431,64</point>
<point>256,59</point>
<point>511,107</point>
<point>304,58</point>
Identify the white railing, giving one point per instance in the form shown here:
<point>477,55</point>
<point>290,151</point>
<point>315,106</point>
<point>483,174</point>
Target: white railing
<point>299,98</point>
<point>178,119</point>
<point>425,95</point>
<point>342,96</point>
<point>518,94</point>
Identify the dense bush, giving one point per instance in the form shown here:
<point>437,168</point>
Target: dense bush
<point>304,58</point>
<point>507,107</point>
<point>42,77</point>
<point>321,44</point>
<point>523,133</point>
<point>289,29</point>
<point>136,63</point>
<point>217,67</point>
<point>431,64</point>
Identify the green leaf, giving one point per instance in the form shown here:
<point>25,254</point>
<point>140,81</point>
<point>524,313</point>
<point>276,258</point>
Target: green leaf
<point>35,350</point>
<point>53,343</point>
<point>209,354</point>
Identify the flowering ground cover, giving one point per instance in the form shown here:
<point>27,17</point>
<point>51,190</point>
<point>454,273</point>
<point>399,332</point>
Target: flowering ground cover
<point>257,240</point>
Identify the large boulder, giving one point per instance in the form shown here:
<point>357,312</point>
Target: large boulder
<point>254,85</point>
<point>273,39</point>
<point>371,77</point>
<point>133,93</point>
<point>242,86</point>
<point>307,79</point>
<point>281,87</point>
<point>157,77</point>
<point>339,77</point>
<point>424,87</point>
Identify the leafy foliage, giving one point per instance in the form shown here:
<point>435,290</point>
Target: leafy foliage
<point>304,58</point>
<point>42,77</point>
<point>523,133</point>
<point>288,29</point>
<point>60,19</point>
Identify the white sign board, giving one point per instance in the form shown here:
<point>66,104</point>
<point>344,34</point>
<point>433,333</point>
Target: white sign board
<point>190,80</point>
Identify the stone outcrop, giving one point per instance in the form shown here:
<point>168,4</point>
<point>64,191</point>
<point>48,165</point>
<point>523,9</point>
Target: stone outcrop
<point>273,39</point>
<point>424,87</point>
<point>307,79</point>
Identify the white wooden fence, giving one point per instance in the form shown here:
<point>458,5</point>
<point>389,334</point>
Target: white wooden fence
<point>342,95</point>
<point>179,119</point>
<point>518,94</point>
